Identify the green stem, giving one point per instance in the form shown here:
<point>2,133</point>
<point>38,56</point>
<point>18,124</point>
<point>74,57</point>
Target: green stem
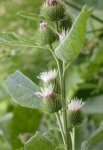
<point>62,85</point>
<point>64,102</point>
<point>61,128</point>
<point>74,138</point>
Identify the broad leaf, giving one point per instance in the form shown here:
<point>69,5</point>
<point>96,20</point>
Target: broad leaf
<point>96,138</point>
<point>72,44</point>
<point>29,15</point>
<point>38,142</point>
<point>22,90</point>
<point>14,39</point>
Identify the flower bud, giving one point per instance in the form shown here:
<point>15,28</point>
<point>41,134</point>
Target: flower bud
<point>45,35</point>
<point>66,22</point>
<point>50,99</point>
<point>75,115</point>
<point>53,10</point>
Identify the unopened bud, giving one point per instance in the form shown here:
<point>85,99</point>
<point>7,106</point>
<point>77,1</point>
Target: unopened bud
<point>43,26</point>
<point>45,35</point>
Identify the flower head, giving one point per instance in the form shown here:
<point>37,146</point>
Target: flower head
<point>46,92</point>
<point>43,26</point>
<point>75,105</point>
<point>62,36</point>
<point>48,76</point>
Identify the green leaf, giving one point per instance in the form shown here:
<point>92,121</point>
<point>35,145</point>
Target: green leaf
<point>34,17</point>
<point>26,121</point>
<point>38,142</point>
<point>72,44</point>
<point>73,79</point>
<point>22,90</point>
<point>14,39</point>
<point>96,138</point>
<point>94,105</point>
<point>29,15</point>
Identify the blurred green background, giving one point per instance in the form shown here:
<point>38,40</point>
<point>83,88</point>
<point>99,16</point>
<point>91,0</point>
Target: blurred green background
<point>85,77</point>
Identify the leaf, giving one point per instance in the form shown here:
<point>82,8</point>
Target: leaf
<point>96,138</point>
<point>22,90</point>
<point>73,79</point>
<point>26,121</point>
<point>68,50</point>
<point>30,15</point>
<point>94,105</point>
<point>33,16</point>
<point>38,142</point>
<point>14,39</point>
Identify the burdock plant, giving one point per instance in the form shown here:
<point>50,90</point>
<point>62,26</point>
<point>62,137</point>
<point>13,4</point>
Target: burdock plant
<point>57,27</point>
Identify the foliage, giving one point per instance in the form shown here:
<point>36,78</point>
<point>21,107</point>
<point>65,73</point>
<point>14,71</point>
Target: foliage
<point>18,51</point>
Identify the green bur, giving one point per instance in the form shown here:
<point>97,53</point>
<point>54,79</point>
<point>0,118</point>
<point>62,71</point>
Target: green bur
<point>47,36</point>
<point>53,13</point>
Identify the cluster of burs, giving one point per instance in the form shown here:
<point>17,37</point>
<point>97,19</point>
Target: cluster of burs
<point>55,20</point>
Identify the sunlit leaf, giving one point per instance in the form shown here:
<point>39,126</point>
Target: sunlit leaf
<point>68,50</point>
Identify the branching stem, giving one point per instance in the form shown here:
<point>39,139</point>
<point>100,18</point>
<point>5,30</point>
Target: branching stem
<point>61,70</point>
